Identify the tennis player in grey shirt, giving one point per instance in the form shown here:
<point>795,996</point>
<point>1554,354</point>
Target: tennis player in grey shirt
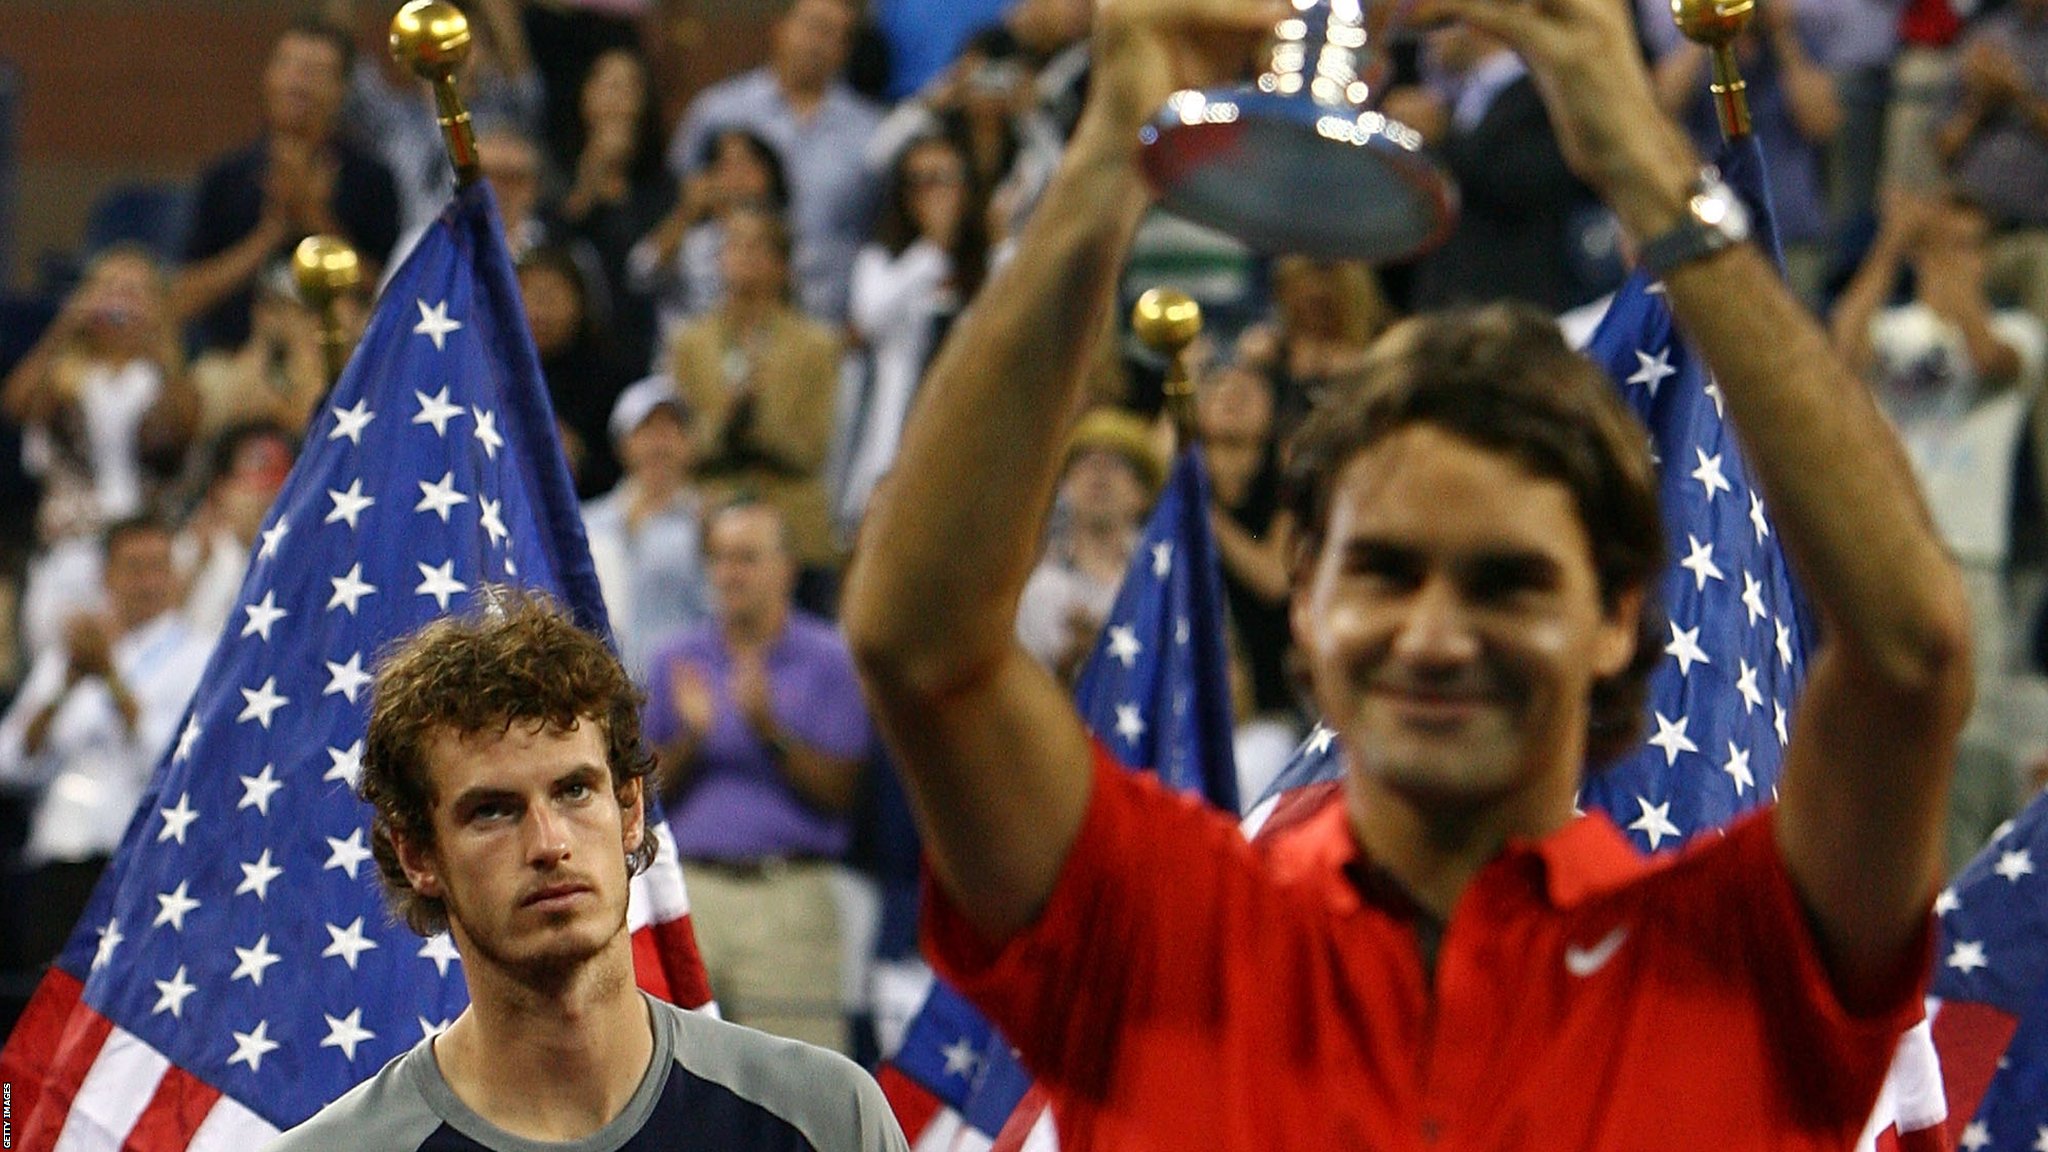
<point>506,772</point>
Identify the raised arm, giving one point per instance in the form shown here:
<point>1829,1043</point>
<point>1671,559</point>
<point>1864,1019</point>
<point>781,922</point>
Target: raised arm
<point>994,755</point>
<point>1866,776</point>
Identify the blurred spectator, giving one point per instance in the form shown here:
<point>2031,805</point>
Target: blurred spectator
<point>1794,108</point>
<point>1857,41</point>
<point>1113,469</point>
<point>799,103</point>
<point>620,188</point>
<point>1958,379</point>
<point>646,533</point>
<point>760,729</point>
<point>391,111</point>
<point>280,374</point>
<point>1995,142</point>
<point>677,264</point>
<point>986,102</point>
<point>1054,34</point>
<point>928,259</point>
<point>246,466</point>
<point>1326,314</point>
<point>566,37</point>
<point>760,379</point>
<point>1254,539</point>
<point>85,732</point>
<point>1923,84</point>
<point>1516,197</point>
<point>299,178</point>
<point>583,376</point>
<point>103,399</point>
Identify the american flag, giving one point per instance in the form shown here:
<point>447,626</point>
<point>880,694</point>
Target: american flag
<point>237,968</point>
<point>1990,994</point>
<point>1156,694</point>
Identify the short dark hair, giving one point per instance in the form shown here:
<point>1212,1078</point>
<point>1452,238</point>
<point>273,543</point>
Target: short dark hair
<point>520,660</point>
<point>227,444</point>
<point>1502,377</point>
<point>313,27</point>
<point>136,524</point>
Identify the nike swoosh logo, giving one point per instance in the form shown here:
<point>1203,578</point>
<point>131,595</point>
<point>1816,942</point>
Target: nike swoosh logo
<point>1584,962</point>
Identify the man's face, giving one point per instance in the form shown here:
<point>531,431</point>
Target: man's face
<point>661,444</point>
<point>1453,624</point>
<point>812,41</point>
<point>138,577</point>
<point>752,576</point>
<point>303,85</point>
<point>750,259</point>
<point>530,846</point>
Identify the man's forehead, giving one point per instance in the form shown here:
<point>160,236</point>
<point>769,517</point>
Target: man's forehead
<point>1429,476</point>
<point>459,757</point>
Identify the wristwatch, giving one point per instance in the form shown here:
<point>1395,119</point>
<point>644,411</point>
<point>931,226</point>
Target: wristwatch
<point>1715,218</point>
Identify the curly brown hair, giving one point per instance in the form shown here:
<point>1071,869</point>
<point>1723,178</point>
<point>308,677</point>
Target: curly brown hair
<point>1503,378</point>
<point>519,660</point>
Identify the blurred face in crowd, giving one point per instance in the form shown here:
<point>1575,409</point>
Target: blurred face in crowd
<point>512,164</point>
<point>811,43</point>
<point>1103,491</point>
<point>123,298</point>
<point>554,307</point>
<point>244,494</point>
<point>934,175</point>
<point>660,446</point>
<point>526,851</point>
<point>615,91</point>
<point>752,574</point>
<point>738,173</point>
<point>1235,406</point>
<point>139,577</point>
<point>303,85</point>
<point>752,259</point>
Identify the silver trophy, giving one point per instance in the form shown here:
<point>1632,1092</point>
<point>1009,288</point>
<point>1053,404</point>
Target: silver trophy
<point>1299,161</point>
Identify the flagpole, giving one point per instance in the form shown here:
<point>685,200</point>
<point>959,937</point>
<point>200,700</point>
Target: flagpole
<point>431,37</point>
<point>1716,24</point>
<point>327,269</point>
<point>1167,320</point>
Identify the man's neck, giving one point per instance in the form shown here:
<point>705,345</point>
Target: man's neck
<point>755,631</point>
<point>802,94</point>
<point>1101,551</point>
<point>1435,851</point>
<point>555,1064</point>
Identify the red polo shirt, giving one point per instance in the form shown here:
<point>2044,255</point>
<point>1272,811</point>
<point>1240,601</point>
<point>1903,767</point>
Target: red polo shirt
<point>1186,990</point>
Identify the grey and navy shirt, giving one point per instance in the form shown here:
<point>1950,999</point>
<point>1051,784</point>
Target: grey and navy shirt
<point>711,1085</point>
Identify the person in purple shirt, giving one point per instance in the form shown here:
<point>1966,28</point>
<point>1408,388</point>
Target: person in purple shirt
<point>760,729</point>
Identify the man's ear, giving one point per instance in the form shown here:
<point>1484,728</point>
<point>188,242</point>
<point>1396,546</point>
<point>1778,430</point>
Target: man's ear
<point>1619,634</point>
<point>632,813</point>
<point>421,869</point>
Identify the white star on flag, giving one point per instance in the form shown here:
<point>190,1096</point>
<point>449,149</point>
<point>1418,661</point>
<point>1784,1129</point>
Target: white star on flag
<point>1699,560</point>
<point>1967,956</point>
<point>435,324</point>
<point>1784,632</point>
<point>1671,738</point>
<point>345,1032</point>
<point>1745,686</point>
<point>1780,722</point>
<point>1685,646</point>
<point>349,505</point>
<point>252,1046</point>
<point>262,616</point>
<point>1709,474</point>
<point>1123,645</point>
<point>258,789</point>
<point>1756,518</point>
<point>1976,1136</point>
<point>440,583</point>
<point>273,536</point>
<point>110,939</point>
<point>1737,768</point>
<point>347,943</point>
<point>261,703</point>
<point>961,1058</point>
<point>172,993</point>
<point>435,410</point>
<point>347,855</point>
<point>1753,599</point>
<point>1129,724</point>
<point>1946,901</point>
<point>2015,864</point>
<point>173,905</point>
<point>347,764</point>
<point>489,520</point>
<point>440,948</point>
<point>347,679</point>
<point>255,961</point>
<point>440,496</point>
<point>176,819</point>
<point>349,590</point>
<point>486,432</point>
<point>1655,822</point>
<point>349,422</point>
<point>187,739</point>
<point>1652,371</point>
<point>1162,560</point>
<point>257,875</point>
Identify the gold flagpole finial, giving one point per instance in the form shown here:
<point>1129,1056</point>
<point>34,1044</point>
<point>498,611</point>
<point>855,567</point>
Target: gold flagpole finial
<point>431,37</point>
<point>1716,24</point>
<point>327,269</point>
<point>1167,320</point>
